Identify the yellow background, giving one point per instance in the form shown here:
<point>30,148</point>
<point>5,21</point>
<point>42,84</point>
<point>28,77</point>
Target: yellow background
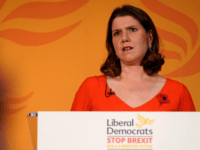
<point>48,48</point>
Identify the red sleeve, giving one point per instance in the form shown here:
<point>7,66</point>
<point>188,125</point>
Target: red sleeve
<point>186,102</point>
<point>85,94</point>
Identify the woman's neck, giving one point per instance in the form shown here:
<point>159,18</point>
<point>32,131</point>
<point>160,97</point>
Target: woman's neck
<point>133,73</point>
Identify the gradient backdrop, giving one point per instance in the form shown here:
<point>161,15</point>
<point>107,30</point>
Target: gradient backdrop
<point>48,48</point>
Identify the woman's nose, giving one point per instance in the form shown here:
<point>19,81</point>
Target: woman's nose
<point>125,37</point>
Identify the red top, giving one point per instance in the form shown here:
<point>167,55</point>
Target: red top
<point>93,96</point>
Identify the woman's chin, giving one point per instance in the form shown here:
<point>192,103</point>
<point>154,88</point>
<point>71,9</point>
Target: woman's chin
<point>130,62</point>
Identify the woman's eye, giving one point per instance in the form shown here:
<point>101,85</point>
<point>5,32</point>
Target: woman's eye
<point>133,29</point>
<point>116,33</point>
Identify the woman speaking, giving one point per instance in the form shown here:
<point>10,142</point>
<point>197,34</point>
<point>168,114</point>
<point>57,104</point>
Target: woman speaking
<point>131,81</point>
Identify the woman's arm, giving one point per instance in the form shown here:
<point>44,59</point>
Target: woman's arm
<point>85,95</point>
<point>186,102</point>
<point>82,98</point>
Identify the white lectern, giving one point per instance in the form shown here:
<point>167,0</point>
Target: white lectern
<point>116,130</point>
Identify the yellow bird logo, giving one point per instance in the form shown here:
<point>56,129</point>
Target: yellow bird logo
<point>143,121</point>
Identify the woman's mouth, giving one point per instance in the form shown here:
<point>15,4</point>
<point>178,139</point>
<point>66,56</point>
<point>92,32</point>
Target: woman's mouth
<point>127,48</point>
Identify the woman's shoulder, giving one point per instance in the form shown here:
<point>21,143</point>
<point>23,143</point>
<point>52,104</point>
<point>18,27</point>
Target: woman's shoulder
<point>174,83</point>
<point>100,78</point>
<point>180,92</point>
<point>95,80</point>
<point>175,86</point>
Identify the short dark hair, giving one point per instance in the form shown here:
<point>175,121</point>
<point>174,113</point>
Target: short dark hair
<point>152,61</point>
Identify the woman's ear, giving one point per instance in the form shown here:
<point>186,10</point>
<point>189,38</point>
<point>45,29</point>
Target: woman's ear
<point>150,36</point>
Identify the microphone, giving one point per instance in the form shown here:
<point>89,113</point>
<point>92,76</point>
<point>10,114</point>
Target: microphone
<point>109,93</point>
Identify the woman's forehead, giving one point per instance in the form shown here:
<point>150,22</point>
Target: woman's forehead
<point>125,21</point>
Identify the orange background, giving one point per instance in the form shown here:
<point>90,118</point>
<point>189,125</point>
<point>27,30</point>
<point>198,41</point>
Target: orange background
<point>48,48</point>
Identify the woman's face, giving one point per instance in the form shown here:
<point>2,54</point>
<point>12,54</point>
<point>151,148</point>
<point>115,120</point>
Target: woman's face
<point>130,40</point>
